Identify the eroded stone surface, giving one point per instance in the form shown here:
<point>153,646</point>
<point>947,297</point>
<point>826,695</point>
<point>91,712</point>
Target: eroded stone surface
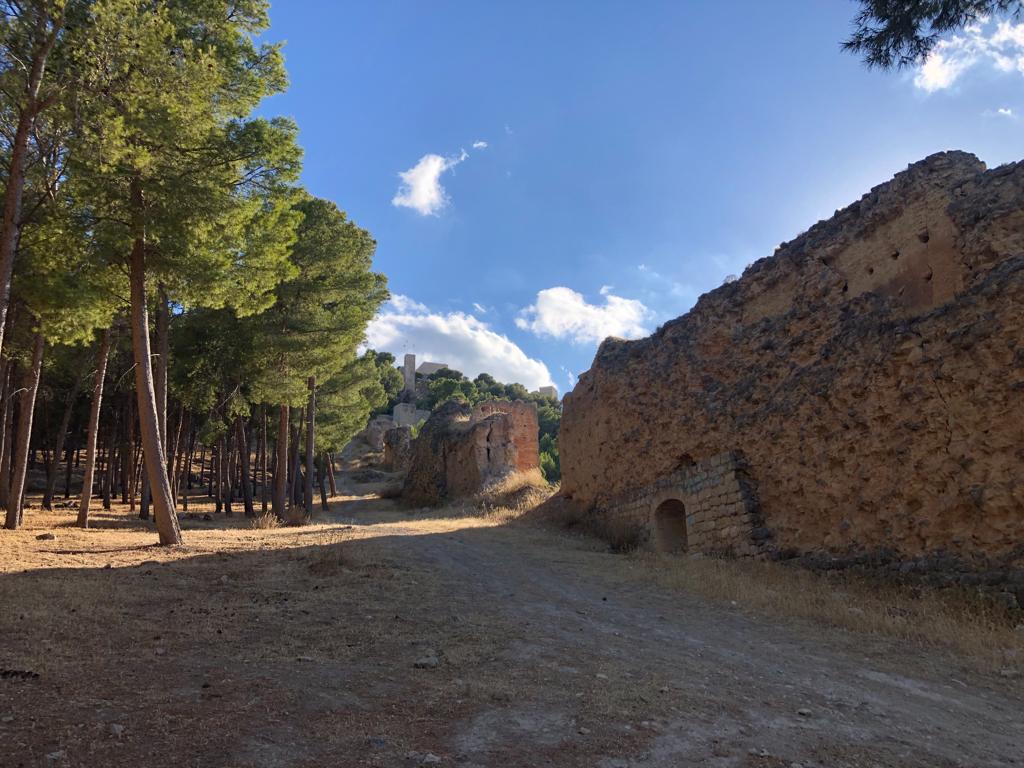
<point>461,449</point>
<point>397,449</point>
<point>871,371</point>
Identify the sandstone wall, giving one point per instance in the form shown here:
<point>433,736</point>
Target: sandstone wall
<point>397,449</point>
<point>461,449</point>
<point>871,372</point>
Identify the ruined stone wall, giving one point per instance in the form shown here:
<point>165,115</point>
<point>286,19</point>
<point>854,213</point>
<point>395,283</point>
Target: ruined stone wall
<point>397,449</point>
<point>710,507</point>
<point>461,449</point>
<point>871,372</point>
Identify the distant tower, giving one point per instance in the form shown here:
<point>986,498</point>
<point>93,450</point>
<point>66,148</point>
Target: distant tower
<point>409,372</point>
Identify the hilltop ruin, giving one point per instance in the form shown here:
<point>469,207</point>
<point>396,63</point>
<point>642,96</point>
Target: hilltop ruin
<point>860,391</point>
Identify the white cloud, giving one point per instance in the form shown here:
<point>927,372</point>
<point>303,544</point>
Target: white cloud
<point>605,290</point>
<point>421,187</point>
<point>479,144</point>
<point>561,312</point>
<point>461,340</point>
<point>1005,112</point>
<point>1001,45</point>
<point>480,308</point>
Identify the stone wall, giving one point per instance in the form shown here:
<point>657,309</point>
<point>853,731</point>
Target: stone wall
<point>710,507</point>
<point>871,372</point>
<point>397,449</point>
<point>461,449</point>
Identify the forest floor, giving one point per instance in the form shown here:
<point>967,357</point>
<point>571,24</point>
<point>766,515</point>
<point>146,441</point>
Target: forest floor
<point>385,637</point>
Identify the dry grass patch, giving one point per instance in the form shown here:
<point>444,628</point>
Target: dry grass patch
<point>269,520</point>
<point>967,623</point>
<point>514,495</point>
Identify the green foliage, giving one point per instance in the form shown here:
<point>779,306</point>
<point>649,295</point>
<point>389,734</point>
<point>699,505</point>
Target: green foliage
<point>901,33</point>
<point>391,379</point>
<point>549,461</point>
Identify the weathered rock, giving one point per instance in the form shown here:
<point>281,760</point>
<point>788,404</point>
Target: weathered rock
<point>869,375</point>
<point>397,449</point>
<point>461,449</point>
<point>375,431</point>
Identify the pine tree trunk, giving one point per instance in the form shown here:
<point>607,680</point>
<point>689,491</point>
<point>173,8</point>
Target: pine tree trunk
<point>163,346</point>
<point>296,465</point>
<point>281,470</point>
<point>108,469</point>
<point>243,455</point>
<point>225,476</point>
<point>307,496</point>
<point>322,480</point>
<point>149,424</point>
<point>27,406</point>
<point>263,460</point>
<point>330,475</point>
<point>69,462</point>
<point>98,377</point>
<point>7,439</point>
<point>58,448</point>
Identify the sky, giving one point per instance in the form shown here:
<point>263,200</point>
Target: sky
<point>540,175</point>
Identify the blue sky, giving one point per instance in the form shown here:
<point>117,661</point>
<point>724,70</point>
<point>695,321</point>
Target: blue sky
<point>636,153</point>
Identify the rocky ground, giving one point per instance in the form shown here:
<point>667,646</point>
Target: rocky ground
<point>380,638</point>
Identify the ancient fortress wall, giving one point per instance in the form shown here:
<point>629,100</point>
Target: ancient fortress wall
<point>867,381</point>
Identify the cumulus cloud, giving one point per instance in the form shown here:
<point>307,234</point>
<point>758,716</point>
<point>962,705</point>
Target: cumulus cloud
<point>421,187</point>
<point>998,44</point>
<point>561,313</point>
<point>463,341</point>
<point>479,144</point>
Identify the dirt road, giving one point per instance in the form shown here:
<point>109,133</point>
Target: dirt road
<point>404,642</point>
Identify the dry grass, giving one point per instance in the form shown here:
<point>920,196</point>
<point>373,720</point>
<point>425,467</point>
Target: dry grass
<point>266,521</point>
<point>514,495</point>
<point>956,620</point>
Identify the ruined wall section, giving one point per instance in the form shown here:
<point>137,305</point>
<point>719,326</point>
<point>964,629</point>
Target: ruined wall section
<point>720,503</point>
<point>871,371</point>
<point>461,449</point>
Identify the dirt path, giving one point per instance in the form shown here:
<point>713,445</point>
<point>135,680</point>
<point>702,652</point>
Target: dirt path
<point>380,639</point>
<point>718,687</point>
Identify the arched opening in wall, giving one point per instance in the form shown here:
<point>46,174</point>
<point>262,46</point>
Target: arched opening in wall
<point>670,526</point>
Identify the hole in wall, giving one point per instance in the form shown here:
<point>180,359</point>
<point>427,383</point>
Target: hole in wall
<point>871,270</point>
<point>923,236</point>
<point>670,526</point>
<point>846,287</point>
<point>894,255</point>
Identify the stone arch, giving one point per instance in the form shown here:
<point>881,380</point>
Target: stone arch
<point>669,525</point>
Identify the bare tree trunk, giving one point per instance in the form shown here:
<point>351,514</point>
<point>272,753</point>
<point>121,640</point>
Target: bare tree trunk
<point>296,466</point>
<point>149,424</point>
<point>8,432</point>
<point>263,460</point>
<point>58,448</point>
<point>225,476</point>
<point>330,475</point>
<point>163,346</point>
<point>98,377</point>
<point>321,471</point>
<point>69,462</point>
<point>108,469</point>
<point>185,475</point>
<point>281,470</point>
<point>16,500</point>
<point>243,455</point>
<point>307,496</point>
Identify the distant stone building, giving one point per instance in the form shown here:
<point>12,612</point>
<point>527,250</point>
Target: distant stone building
<point>548,391</point>
<point>859,392</point>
